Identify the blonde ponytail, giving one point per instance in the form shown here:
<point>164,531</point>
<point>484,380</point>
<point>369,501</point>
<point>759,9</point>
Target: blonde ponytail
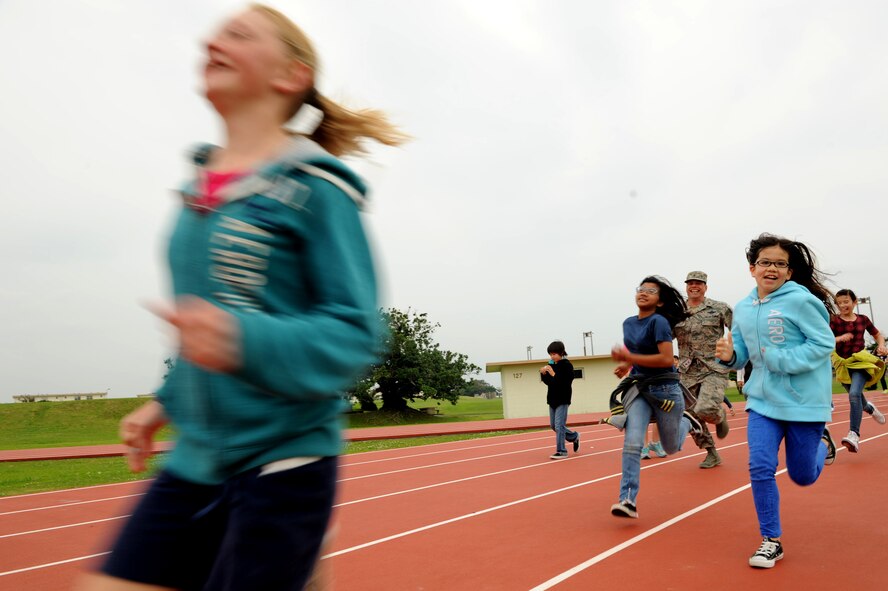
<point>341,130</point>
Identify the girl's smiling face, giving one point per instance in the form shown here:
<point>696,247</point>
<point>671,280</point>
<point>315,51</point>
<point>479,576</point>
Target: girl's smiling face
<point>845,304</point>
<point>647,296</point>
<point>771,270</point>
<point>245,59</point>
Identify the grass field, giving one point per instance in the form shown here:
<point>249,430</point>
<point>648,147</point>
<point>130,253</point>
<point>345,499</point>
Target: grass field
<point>94,422</point>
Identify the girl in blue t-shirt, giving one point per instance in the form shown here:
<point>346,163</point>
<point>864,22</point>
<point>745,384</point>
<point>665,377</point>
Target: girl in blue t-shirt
<point>646,357</point>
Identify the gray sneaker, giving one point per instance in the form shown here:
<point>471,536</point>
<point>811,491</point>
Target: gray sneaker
<point>877,415</point>
<point>851,441</point>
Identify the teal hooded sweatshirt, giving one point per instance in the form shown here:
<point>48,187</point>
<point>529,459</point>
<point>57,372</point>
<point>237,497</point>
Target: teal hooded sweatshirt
<point>286,254</point>
<point>787,337</point>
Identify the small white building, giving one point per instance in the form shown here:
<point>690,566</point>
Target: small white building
<point>524,393</point>
<point>58,397</point>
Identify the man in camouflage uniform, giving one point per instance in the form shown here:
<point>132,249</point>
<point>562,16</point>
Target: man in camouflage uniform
<point>700,371</point>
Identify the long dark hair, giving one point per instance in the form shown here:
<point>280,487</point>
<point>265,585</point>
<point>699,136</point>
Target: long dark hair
<point>802,262</point>
<point>673,308</point>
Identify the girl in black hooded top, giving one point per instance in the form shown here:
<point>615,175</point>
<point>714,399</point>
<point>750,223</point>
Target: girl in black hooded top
<point>558,375</point>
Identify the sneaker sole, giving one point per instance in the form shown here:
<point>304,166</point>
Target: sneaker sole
<point>850,446</point>
<point>619,510</point>
<point>763,563</point>
<point>879,418</point>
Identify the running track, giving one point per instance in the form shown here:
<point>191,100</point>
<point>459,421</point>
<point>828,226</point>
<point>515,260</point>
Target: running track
<point>498,514</point>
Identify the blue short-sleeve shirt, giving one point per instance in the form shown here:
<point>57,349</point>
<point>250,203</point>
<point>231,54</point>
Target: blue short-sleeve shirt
<point>642,336</point>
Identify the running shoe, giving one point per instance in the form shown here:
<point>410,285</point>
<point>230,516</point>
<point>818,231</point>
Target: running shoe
<point>851,441</point>
<point>830,447</point>
<point>657,448</point>
<point>877,415</point>
<point>558,455</point>
<point>576,443</point>
<point>624,509</point>
<point>768,554</point>
<point>645,453</point>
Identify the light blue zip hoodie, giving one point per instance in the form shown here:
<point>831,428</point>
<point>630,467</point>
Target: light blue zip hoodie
<point>286,254</point>
<point>787,337</point>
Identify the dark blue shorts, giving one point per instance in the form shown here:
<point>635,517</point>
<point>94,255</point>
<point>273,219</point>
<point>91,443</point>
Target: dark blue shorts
<point>253,532</point>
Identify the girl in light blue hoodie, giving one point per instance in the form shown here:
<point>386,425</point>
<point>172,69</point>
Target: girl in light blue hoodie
<point>783,328</point>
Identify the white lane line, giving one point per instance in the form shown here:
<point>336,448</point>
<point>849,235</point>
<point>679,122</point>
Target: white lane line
<point>472,459</point>
<point>37,531</point>
<point>642,536</point>
<point>424,466</point>
<point>436,485</point>
<point>64,505</point>
<point>505,506</point>
<point>446,451</point>
<point>528,431</point>
<point>432,453</point>
<point>65,490</point>
<point>48,564</point>
<point>632,541</point>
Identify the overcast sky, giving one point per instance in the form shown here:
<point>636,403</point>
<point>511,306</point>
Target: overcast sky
<point>563,150</point>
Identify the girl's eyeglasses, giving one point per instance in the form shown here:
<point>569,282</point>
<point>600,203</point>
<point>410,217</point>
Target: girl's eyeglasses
<point>765,263</point>
<point>650,290</point>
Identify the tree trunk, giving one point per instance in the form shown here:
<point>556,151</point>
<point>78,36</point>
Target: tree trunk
<point>393,402</point>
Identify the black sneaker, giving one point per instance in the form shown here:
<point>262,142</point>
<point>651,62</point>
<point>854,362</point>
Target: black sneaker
<point>624,509</point>
<point>696,425</point>
<point>558,455</point>
<point>768,554</point>
<point>830,446</point>
<point>576,443</point>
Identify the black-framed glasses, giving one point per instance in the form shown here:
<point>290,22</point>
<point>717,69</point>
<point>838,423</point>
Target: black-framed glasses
<point>765,263</point>
<point>650,290</point>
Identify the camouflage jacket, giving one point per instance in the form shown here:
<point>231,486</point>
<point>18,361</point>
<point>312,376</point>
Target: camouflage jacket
<point>697,336</point>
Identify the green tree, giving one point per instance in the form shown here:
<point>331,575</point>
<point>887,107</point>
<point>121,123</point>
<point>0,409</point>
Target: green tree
<point>477,387</point>
<point>414,365</point>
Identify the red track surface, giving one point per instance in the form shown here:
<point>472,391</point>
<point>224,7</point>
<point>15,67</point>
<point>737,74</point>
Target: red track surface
<point>498,514</point>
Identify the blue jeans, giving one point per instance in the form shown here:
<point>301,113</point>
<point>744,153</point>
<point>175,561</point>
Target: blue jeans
<point>859,402</point>
<point>558,422</point>
<point>673,430</point>
<point>805,454</point>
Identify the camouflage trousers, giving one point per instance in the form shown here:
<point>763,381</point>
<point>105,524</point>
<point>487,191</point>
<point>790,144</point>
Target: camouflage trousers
<point>710,391</point>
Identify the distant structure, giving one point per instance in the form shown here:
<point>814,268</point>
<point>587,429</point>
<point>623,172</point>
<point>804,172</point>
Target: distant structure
<point>524,394</point>
<point>58,397</point>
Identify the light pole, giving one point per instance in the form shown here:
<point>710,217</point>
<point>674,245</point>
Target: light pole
<point>591,344</point>
<point>529,349</point>
<point>868,301</point>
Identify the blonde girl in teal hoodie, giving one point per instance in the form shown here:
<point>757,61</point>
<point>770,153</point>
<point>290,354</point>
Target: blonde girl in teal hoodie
<point>783,328</point>
<point>276,314</point>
